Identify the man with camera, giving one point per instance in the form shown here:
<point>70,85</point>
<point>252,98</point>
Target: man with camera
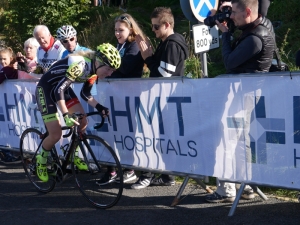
<point>251,52</point>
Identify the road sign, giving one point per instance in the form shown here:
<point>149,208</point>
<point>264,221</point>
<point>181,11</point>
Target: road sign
<point>204,8</point>
<point>205,38</point>
<point>187,11</point>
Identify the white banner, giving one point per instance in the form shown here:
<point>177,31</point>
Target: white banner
<point>241,128</point>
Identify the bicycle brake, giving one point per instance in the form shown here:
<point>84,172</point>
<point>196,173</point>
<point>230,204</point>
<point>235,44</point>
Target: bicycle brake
<point>108,119</point>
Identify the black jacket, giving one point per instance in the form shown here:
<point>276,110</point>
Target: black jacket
<point>168,59</point>
<point>261,30</point>
<point>132,62</point>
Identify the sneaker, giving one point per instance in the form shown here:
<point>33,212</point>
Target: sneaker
<point>107,179</point>
<point>41,169</point>
<point>81,165</point>
<point>93,168</point>
<point>159,181</point>
<point>248,194</point>
<point>7,157</point>
<point>142,182</point>
<point>127,176</point>
<point>216,198</point>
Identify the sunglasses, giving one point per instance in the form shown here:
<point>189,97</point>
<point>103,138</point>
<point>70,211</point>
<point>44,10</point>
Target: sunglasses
<point>125,19</point>
<point>155,26</point>
<point>68,40</point>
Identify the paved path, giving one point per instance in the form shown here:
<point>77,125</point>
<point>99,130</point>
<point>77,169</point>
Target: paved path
<point>21,204</point>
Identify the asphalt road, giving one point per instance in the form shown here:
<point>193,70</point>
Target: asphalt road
<point>20,203</point>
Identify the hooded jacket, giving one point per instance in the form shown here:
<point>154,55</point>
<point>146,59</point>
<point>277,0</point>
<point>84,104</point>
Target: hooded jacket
<point>168,59</point>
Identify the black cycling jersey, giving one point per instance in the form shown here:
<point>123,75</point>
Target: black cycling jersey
<point>55,83</point>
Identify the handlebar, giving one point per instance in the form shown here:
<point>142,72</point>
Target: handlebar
<point>79,116</point>
<point>99,125</point>
<point>69,133</point>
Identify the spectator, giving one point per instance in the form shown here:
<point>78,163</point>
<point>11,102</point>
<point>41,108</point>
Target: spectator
<point>298,58</point>
<point>1,47</point>
<point>30,47</point>
<point>68,37</point>
<point>10,66</point>
<point>167,61</point>
<point>132,63</point>
<point>252,52</point>
<point>263,6</point>
<point>50,50</point>
<point>126,29</point>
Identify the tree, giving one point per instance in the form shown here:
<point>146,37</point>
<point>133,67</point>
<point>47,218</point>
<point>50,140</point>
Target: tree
<point>21,16</point>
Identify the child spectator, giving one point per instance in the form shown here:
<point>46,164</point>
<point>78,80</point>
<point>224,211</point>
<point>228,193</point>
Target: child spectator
<point>12,67</point>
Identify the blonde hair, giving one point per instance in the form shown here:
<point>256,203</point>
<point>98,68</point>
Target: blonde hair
<point>87,54</point>
<point>31,41</point>
<point>10,52</point>
<point>130,23</point>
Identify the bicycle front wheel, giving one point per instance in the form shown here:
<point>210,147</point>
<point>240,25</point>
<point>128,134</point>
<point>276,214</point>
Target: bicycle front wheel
<point>98,154</point>
<point>30,145</point>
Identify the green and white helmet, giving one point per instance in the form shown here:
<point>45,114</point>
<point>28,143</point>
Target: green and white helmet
<point>109,55</point>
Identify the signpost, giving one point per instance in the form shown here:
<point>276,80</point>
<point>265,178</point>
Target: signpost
<point>204,8</point>
<point>205,38</point>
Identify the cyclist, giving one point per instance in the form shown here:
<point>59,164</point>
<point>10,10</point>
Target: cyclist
<point>54,88</point>
<point>67,36</point>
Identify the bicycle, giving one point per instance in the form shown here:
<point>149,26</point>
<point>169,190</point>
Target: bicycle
<point>96,153</point>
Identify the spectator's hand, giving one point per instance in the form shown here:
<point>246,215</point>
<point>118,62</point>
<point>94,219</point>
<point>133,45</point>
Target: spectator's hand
<point>222,26</point>
<point>15,65</point>
<point>20,57</point>
<point>145,49</point>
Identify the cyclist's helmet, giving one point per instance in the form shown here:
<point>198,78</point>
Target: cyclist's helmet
<point>109,55</point>
<point>66,32</point>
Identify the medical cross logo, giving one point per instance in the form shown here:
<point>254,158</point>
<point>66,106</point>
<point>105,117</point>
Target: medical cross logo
<point>203,8</point>
<point>2,118</point>
<point>259,131</point>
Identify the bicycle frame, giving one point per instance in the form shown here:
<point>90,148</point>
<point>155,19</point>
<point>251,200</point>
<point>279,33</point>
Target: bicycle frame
<point>88,179</point>
<point>75,137</point>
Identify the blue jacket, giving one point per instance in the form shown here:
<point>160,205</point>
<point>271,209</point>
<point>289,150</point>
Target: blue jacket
<point>77,48</point>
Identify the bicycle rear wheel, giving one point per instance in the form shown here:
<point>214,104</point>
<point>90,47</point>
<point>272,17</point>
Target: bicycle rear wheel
<point>98,155</point>
<point>30,145</point>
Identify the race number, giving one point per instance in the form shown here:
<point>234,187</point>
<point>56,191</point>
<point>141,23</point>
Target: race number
<point>75,70</point>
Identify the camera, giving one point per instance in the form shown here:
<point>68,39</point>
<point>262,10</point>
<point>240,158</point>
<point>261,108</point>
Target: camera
<point>221,17</point>
<point>19,58</point>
